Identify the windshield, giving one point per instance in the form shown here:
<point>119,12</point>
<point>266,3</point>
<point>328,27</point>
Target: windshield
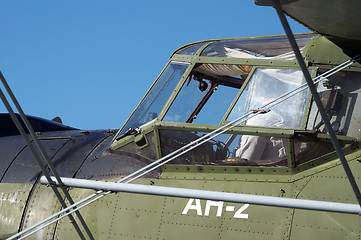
<point>207,94</point>
<point>153,103</point>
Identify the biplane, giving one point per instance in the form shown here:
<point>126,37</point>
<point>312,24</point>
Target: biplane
<point>249,137</point>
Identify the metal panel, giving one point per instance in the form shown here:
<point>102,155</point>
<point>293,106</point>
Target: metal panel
<point>10,147</point>
<point>25,169</point>
<point>130,216</point>
<point>41,203</point>
<point>118,216</point>
<point>12,204</point>
<point>108,164</point>
<point>73,154</point>
<point>322,225</point>
<point>331,185</point>
<point>67,162</point>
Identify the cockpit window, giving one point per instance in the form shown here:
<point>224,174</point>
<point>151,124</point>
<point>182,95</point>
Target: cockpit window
<point>274,47</point>
<point>207,94</point>
<point>226,149</point>
<point>340,94</point>
<point>191,50</point>
<point>262,96</point>
<point>153,103</point>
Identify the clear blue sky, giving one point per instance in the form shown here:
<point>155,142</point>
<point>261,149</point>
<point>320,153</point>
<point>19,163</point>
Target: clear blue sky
<point>90,62</point>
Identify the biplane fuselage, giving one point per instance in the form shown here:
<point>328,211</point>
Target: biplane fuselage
<point>276,146</point>
<point>204,86</point>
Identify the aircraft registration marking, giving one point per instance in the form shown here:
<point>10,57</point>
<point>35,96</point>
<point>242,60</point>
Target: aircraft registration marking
<point>195,204</point>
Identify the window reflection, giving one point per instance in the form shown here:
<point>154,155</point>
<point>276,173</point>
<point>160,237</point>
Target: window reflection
<point>191,50</point>
<point>225,149</point>
<point>275,47</point>
<point>340,94</point>
<point>305,151</point>
<point>153,103</point>
<point>261,96</point>
<point>259,148</point>
<point>207,94</point>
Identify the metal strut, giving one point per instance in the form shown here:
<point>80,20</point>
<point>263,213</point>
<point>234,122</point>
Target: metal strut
<point>212,195</point>
<point>317,99</point>
<point>44,156</point>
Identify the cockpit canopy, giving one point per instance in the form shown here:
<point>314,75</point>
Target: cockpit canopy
<point>256,47</point>
<point>253,84</point>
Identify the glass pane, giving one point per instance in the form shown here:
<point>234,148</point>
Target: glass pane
<point>306,151</point>
<point>262,150</point>
<point>191,50</point>
<point>226,149</point>
<point>215,108</point>
<point>153,103</point>
<point>262,95</point>
<point>186,101</point>
<point>256,47</point>
<point>207,94</point>
<point>340,95</point>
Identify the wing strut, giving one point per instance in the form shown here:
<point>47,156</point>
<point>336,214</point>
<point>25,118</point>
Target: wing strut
<point>211,195</point>
<point>276,4</point>
<point>39,148</point>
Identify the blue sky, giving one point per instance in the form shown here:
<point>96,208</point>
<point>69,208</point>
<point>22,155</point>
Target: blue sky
<point>90,62</point>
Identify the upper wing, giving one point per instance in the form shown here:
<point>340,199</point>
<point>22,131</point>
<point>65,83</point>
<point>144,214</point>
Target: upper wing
<point>336,18</point>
